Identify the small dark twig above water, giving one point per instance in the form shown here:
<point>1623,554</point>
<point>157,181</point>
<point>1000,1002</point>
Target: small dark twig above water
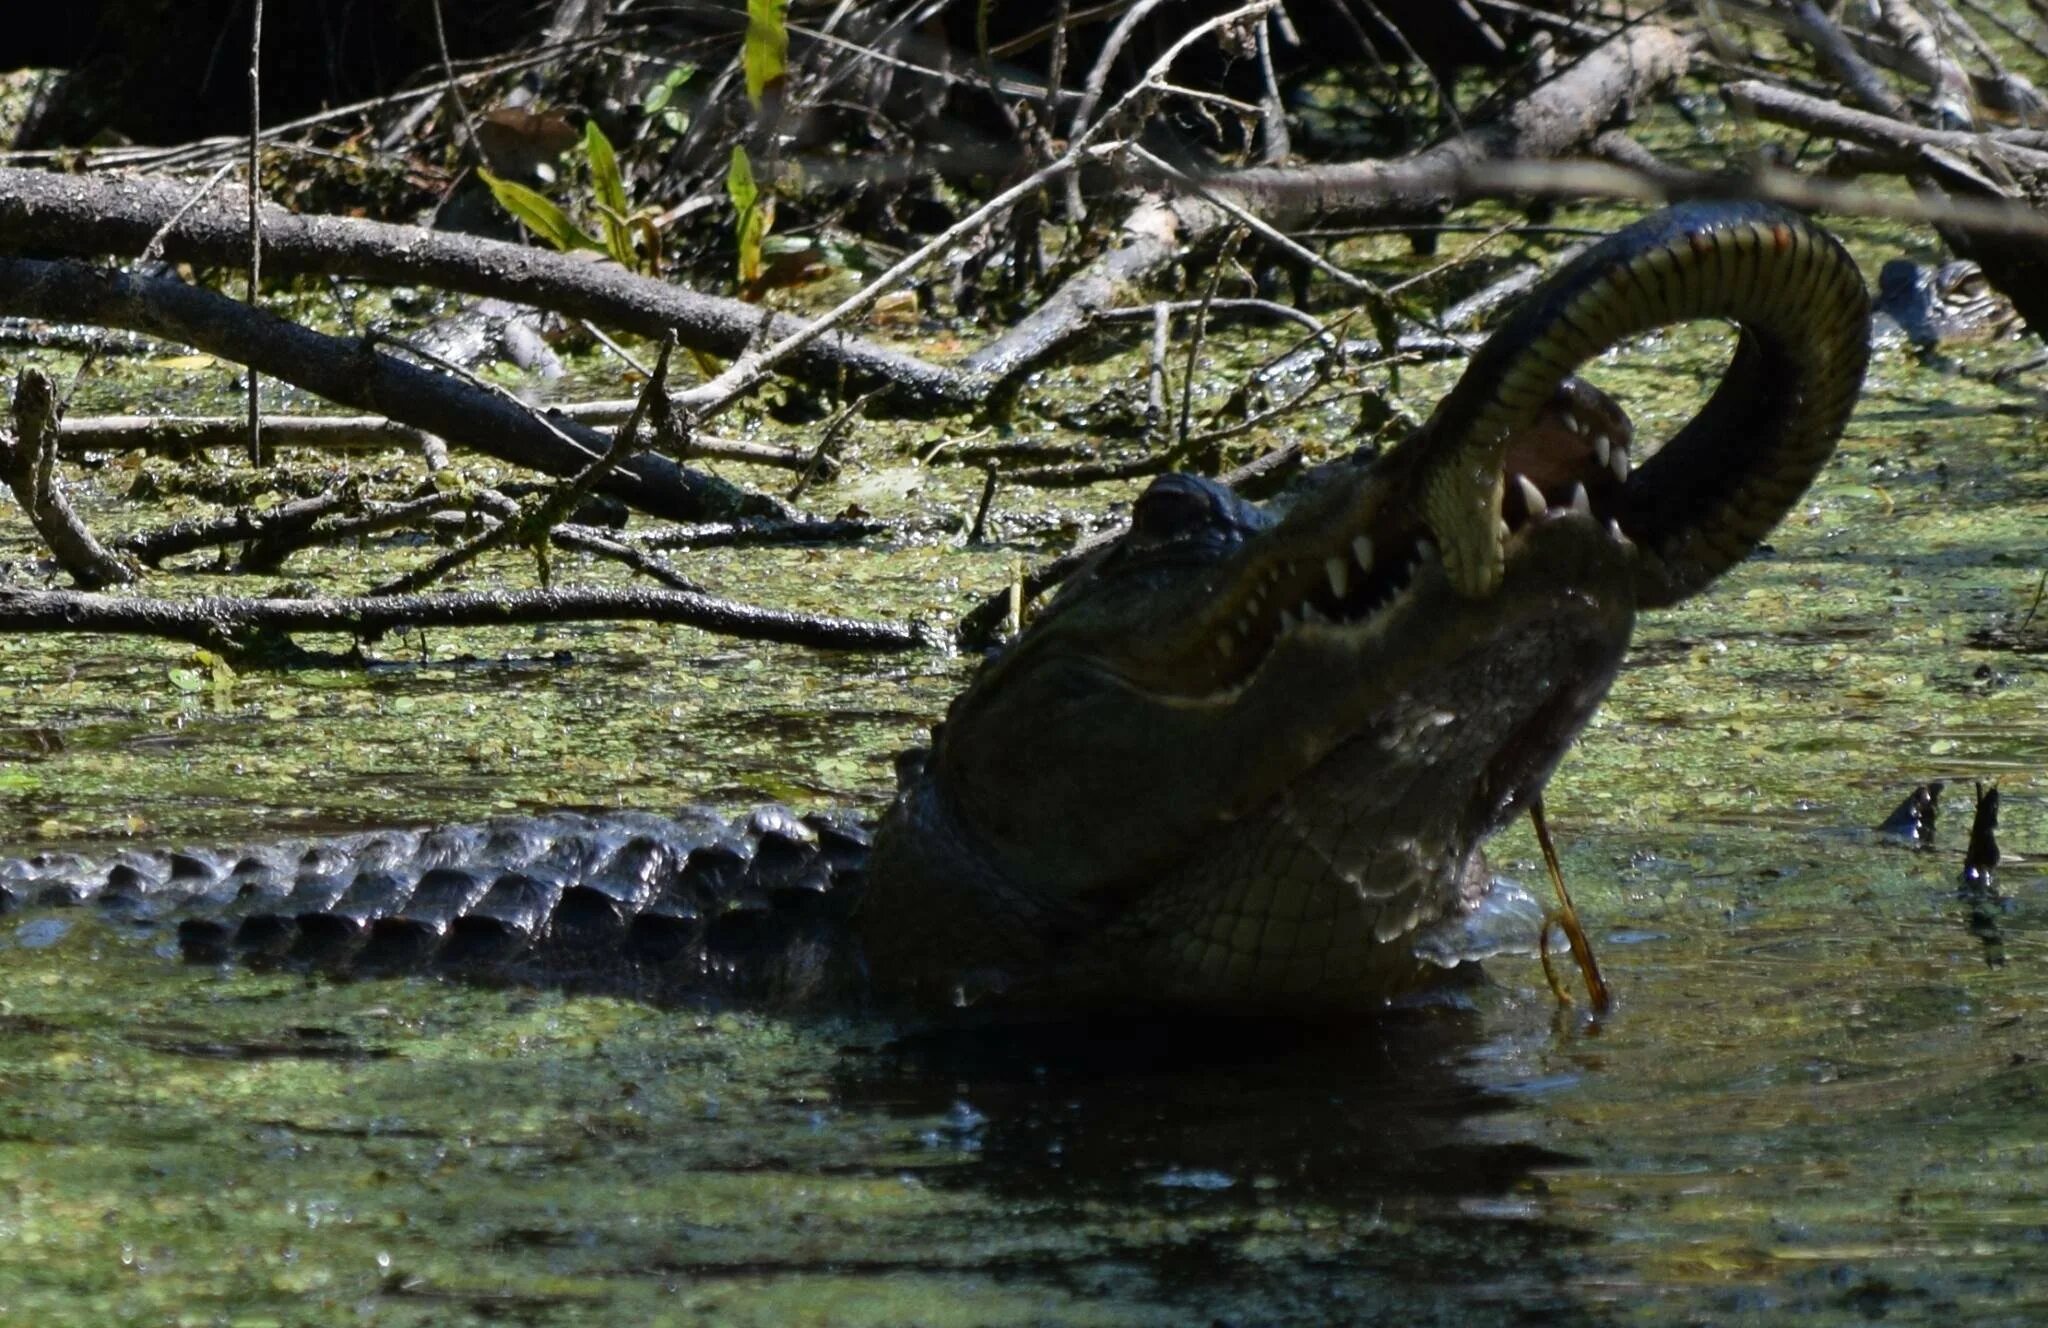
<point>28,465</point>
<point>1979,889</point>
<point>1912,822</point>
<point>1980,860</point>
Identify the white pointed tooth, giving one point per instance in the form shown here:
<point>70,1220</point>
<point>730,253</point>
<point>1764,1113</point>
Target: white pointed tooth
<point>1573,423</point>
<point>1581,505</point>
<point>1425,551</point>
<point>1339,573</point>
<point>1288,622</point>
<point>1619,463</point>
<point>1615,532</point>
<point>1501,530</point>
<point>1361,549</point>
<point>1532,497</point>
<point>1223,643</point>
<point>1602,446</point>
<point>1311,614</point>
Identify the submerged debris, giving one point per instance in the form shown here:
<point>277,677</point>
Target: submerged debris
<point>1912,821</point>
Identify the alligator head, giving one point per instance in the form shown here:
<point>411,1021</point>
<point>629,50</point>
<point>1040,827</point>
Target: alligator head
<point>1248,762</point>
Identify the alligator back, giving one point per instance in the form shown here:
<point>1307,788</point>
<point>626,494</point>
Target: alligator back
<point>673,907</point>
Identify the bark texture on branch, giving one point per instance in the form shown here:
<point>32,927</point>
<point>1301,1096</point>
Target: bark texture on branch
<point>354,375</point>
<point>86,216</point>
<point>221,620</point>
<point>1821,116</point>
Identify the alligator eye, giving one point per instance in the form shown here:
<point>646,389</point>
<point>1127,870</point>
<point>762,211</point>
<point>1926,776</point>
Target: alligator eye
<point>1174,507</point>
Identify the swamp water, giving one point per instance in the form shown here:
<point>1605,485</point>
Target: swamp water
<point>1823,1096</point>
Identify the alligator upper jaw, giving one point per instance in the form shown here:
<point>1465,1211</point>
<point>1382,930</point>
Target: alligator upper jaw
<point>1351,550</point>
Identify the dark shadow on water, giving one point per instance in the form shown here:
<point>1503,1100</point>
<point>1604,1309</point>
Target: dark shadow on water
<point>1251,1163</point>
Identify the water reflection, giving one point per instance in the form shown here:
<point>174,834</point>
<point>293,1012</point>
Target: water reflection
<point>1244,1167</point>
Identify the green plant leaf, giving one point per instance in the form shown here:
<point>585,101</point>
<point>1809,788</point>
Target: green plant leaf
<point>539,214</point>
<point>610,188</point>
<point>664,92</point>
<point>766,56</point>
<point>750,224</point>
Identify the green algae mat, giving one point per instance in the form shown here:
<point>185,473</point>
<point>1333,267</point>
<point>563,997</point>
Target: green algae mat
<point>1822,1096</point>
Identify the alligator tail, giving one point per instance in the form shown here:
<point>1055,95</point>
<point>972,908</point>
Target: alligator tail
<point>668,907</point>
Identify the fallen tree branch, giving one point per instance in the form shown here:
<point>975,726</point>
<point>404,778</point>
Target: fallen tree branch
<point>1554,118</point>
<point>346,433</point>
<point>351,374</point>
<point>1593,179</point>
<point>223,622</point>
<point>88,216</point>
<point>1817,115</point>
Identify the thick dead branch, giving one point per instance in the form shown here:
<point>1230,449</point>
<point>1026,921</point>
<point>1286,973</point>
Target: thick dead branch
<point>354,375</point>
<point>349,433</point>
<point>87,216</point>
<point>1926,60</point>
<point>1594,179</point>
<point>28,463</point>
<point>1995,89</point>
<point>1819,116</point>
<point>1552,119</point>
<point>182,434</point>
<point>749,534</point>
<point>1834,50</point>
<point>226,622</point>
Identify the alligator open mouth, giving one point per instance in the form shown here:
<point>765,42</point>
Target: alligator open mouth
<point>1573,462</point>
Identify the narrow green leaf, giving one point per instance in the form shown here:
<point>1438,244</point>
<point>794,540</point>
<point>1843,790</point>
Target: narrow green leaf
<point>766,56</point>
<point>750,224</point>
<point>610,188</point>
<point>539,214</point>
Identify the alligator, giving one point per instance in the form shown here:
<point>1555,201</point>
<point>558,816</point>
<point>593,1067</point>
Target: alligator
<point>1943,305</point>
<point>1245,761</point>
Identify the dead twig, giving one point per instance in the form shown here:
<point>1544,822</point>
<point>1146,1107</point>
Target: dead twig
<point>530,525</point>
<point>28,462</point>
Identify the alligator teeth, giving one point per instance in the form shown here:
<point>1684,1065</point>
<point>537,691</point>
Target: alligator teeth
<point>1339,573</point>
<point>1425,551</point>
<point>1288,622</point>
<point>1615,532</point>
<point>1532,497</point>
<point>1581,505</point>
<point>1573,423</point>
<point>1602,447</point>
<point>1311,614</point>
<point>1619,463</point>
<point>1501,529</point>
<point>1223,644</point>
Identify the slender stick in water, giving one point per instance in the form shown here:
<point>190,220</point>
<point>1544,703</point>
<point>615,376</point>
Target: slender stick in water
<point>1566,919</point>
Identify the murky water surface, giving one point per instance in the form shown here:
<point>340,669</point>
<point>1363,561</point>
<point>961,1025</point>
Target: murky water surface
<point>1823,1097</point>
